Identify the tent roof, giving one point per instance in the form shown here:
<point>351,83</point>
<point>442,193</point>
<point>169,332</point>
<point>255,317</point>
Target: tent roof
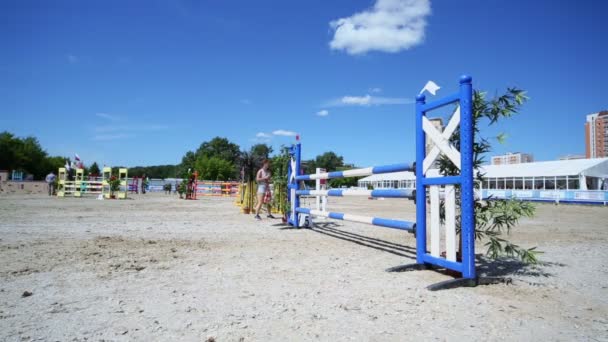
<point>597,167</point>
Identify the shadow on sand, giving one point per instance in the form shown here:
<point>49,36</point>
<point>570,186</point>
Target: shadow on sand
<point>493,270</point>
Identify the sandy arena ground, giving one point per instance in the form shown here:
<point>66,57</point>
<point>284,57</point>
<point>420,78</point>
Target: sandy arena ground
<point>155,268</point>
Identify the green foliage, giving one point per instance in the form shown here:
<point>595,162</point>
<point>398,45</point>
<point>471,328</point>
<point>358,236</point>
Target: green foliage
<point>279,166</point>
<point>114,183</point>
<point>54,163</point>
<point>261,151</point>
<point>494,218</point>
<point>208,154</point>
<point>220,148</point>
<point>329,161</point>
<point>214,168</point>
<point>156,171</point>
<point>181,187</point>
<point>188,161</point>
<point>94,169</point>
<point>248,163</point>
<point>26,154</point>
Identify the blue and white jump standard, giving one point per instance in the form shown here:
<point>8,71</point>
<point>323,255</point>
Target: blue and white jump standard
<point>450,186</point>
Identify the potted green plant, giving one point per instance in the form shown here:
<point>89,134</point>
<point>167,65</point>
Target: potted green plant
<point>247,162</point>
<point>279,179</point>
<point>181,189</point>
<point>114,183</point>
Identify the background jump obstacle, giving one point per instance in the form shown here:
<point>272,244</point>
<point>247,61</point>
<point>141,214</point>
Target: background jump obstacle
<point>80,186</point>
<point>449,186</point>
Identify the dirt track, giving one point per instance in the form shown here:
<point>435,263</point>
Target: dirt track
<point>157,268</point>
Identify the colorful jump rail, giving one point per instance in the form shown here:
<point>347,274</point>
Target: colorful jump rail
<point>218,189</point>
<point>449,185</point>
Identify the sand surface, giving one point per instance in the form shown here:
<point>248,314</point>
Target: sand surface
<point>155,268</point>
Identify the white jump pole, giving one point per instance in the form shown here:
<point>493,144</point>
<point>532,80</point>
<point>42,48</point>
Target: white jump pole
<point>321,201</point>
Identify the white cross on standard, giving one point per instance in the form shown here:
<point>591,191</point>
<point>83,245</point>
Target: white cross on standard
<point>292,179</point>
<point>441,141</point>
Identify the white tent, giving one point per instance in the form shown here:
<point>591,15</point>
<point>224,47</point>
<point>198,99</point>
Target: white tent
<point>558,174</point>
<point>572,174</point>
<point>403,179</point>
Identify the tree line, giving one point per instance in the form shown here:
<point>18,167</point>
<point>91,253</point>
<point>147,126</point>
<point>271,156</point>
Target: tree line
<point>216,159</point>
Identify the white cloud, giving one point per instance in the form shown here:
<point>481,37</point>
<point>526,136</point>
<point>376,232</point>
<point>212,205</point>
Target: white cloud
<point>262,135</point>
<point>107,116</point>
<point>107,137</point>
<point>284,133</point>
<point>367,100</point>
<point>375,90</point>
<point>72,59</point>
<point>130,128</point>
<point>122,130</point>
<point>323,112</point>
<point>389,26</point>
<point>357,100</point>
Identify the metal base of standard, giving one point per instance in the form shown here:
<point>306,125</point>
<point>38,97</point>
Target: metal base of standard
<point>451,283</point>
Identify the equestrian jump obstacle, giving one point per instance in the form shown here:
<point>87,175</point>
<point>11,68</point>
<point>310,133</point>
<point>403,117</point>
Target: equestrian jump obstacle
<point>80,187</point>
<point>218,188</point>
<point>463,160</point>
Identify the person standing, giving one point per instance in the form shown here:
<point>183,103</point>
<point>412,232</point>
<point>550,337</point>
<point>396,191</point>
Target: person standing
<point>144,183</point>
<point>264,196</point>
<point>50,180</point>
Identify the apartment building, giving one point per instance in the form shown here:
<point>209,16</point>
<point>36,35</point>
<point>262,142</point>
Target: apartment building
<point>596,135</point>
<point>512,158</point>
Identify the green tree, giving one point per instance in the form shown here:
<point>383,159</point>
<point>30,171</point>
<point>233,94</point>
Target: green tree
<point>494,218</point>
<point>22,154</point>
<point>261,151</point>
<point>8,149</point>
<point>280,165</point>
<point>328,161</point>
<point>214,168</point>
<point>221,148</point>
<point>188,161</point>
<point>54,163</point>
<point>94,169</point>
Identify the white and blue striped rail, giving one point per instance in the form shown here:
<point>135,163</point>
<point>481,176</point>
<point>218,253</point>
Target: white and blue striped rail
<point>376,221</point>
<point>374,170</point>
<point>388,193</point>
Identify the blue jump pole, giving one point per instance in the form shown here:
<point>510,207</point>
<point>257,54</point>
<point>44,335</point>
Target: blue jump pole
<point>467,201</point>
<point>420,187</point>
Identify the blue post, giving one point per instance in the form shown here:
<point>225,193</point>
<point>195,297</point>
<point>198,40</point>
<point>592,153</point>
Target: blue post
<point>420,187</point>
<point>289,185</point>
<point>296,203</point>
<point>467,204</point>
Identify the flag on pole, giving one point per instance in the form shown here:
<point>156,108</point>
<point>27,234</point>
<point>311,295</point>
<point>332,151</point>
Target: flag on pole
<point>297,137</point>
<point>431,87</point>
<point>78,162</point>
<point>67,165</point>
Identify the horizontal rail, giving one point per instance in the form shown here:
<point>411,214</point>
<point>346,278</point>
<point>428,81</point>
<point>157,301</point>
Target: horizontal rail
<point>374,170</point>
<point>440,103</point>
<point>389,193</point>
<point>442,180</point>
<point>376,221</point>
<point>441,262</point>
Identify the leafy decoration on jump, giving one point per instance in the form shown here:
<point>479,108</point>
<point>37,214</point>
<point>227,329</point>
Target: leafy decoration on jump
<point>495,218</point>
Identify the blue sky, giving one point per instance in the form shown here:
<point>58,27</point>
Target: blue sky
<point>142,82</point>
